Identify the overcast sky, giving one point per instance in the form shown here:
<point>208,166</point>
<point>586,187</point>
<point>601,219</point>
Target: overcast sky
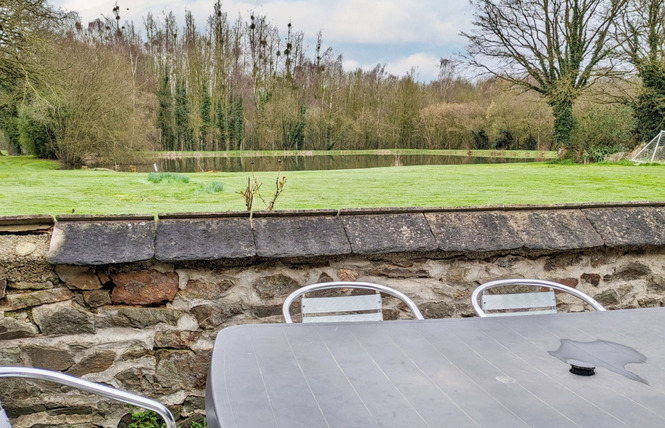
<point>402,34</point>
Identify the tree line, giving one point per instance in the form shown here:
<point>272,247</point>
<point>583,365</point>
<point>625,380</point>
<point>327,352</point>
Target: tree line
<point>106,90</point>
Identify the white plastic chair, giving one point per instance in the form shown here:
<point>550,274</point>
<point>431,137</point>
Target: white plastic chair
<point>84,385</point>
<point>530,303</point>
<point>367,307</point>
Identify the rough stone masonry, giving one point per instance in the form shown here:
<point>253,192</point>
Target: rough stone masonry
<point>136,301</point>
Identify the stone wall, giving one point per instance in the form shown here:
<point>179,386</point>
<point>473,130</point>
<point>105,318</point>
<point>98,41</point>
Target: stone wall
<point>136,301</point>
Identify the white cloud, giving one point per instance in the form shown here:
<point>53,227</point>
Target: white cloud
<point>425,66</point>
<point>350,65</point>
<point>373,21</point>
<point>401,34</point>
<point>351,21</point>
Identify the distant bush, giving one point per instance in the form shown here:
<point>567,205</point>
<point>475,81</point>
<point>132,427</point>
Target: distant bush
<point>448,125</point>
<point>504,141</point>
<point>602,129</point>
<point>598,153</point>
<point>35,138</point>
<point>156,177</point>
<point>212,187</point>
<point>480,140</point>
<point>562,162</point>
<point>530,143</point>
<point>652,164</point>
<point>622,162</point>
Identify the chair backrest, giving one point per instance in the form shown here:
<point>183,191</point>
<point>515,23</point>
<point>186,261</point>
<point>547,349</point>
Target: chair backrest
<point>368,307</point>
<point>4,419</point>
<point>529,303</point>
<point>84,385</point>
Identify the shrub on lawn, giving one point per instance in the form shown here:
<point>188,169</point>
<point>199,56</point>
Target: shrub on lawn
<point>156,177</point>
<point>212,187</point>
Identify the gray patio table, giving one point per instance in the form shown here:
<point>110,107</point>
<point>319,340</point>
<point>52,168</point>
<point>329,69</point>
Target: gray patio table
<point>458,372</point>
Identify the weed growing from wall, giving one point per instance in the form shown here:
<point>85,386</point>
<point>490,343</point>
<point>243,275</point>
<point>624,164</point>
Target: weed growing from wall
<point>146,419</point>
<point>252,191</point>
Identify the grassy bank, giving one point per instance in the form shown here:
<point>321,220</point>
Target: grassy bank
<point>30,186</point>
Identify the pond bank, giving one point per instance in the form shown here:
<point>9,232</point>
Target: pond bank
<point>521,154</point>
<point>308,160</point>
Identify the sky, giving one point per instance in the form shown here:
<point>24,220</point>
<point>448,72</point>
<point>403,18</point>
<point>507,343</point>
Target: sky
<point>403,35</point>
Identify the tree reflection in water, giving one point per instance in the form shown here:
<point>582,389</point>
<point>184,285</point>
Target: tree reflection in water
<point>309,163</point>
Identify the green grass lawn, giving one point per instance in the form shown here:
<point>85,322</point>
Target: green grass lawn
<point>31,186</point>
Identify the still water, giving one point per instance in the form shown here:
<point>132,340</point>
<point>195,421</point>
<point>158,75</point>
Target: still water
<point>309,163</point>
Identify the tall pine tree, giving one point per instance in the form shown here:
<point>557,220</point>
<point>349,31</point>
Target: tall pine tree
<point>222,126</point>
<point>165,118</point>
<point>206,121</point>
<point>237,123</point>
<point>184,131</point>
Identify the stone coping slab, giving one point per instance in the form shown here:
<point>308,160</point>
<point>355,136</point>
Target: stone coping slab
<point>629,226</point>
<point>204,239</point>
<point>98,240</point>
<point>484,231</point>
<point>310,236</point>
<point>102,242</point>
<point>555,230</point>
<point>389,233</point>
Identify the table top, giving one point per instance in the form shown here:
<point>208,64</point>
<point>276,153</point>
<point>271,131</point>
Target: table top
<point>475,372</point>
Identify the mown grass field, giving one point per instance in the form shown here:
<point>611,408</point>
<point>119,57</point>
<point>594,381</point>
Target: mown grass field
<point>31,186</point>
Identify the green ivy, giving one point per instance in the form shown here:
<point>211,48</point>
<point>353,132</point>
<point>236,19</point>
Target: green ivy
<point>150,419</point>
<point>199,424</point>
<point>649,105</point>
<point>564,122</point>
<point>146,419</point>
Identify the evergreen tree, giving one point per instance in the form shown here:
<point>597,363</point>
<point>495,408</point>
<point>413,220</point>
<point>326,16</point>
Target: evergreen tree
<point>184,131</point>
<point>504,141</point>
<point>293,131</point>
<point>480,140</point>
<point>237,123</point>
<point>206,121</point>
<point>165,118</point>
<point>222,126</point>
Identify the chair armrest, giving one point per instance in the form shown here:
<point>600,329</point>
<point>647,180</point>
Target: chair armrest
<point>85,385</point>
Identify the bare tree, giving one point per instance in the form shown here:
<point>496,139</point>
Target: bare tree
<point>557,48</point>
<point>641,35</point>
<point>446,78</point>
<point>22,22</point>
<point>642,32</point>
<point>24,25</point>
<point>89,107</point>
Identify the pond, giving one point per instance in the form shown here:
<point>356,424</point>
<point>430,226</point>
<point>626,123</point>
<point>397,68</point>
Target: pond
<point>309,163</point>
